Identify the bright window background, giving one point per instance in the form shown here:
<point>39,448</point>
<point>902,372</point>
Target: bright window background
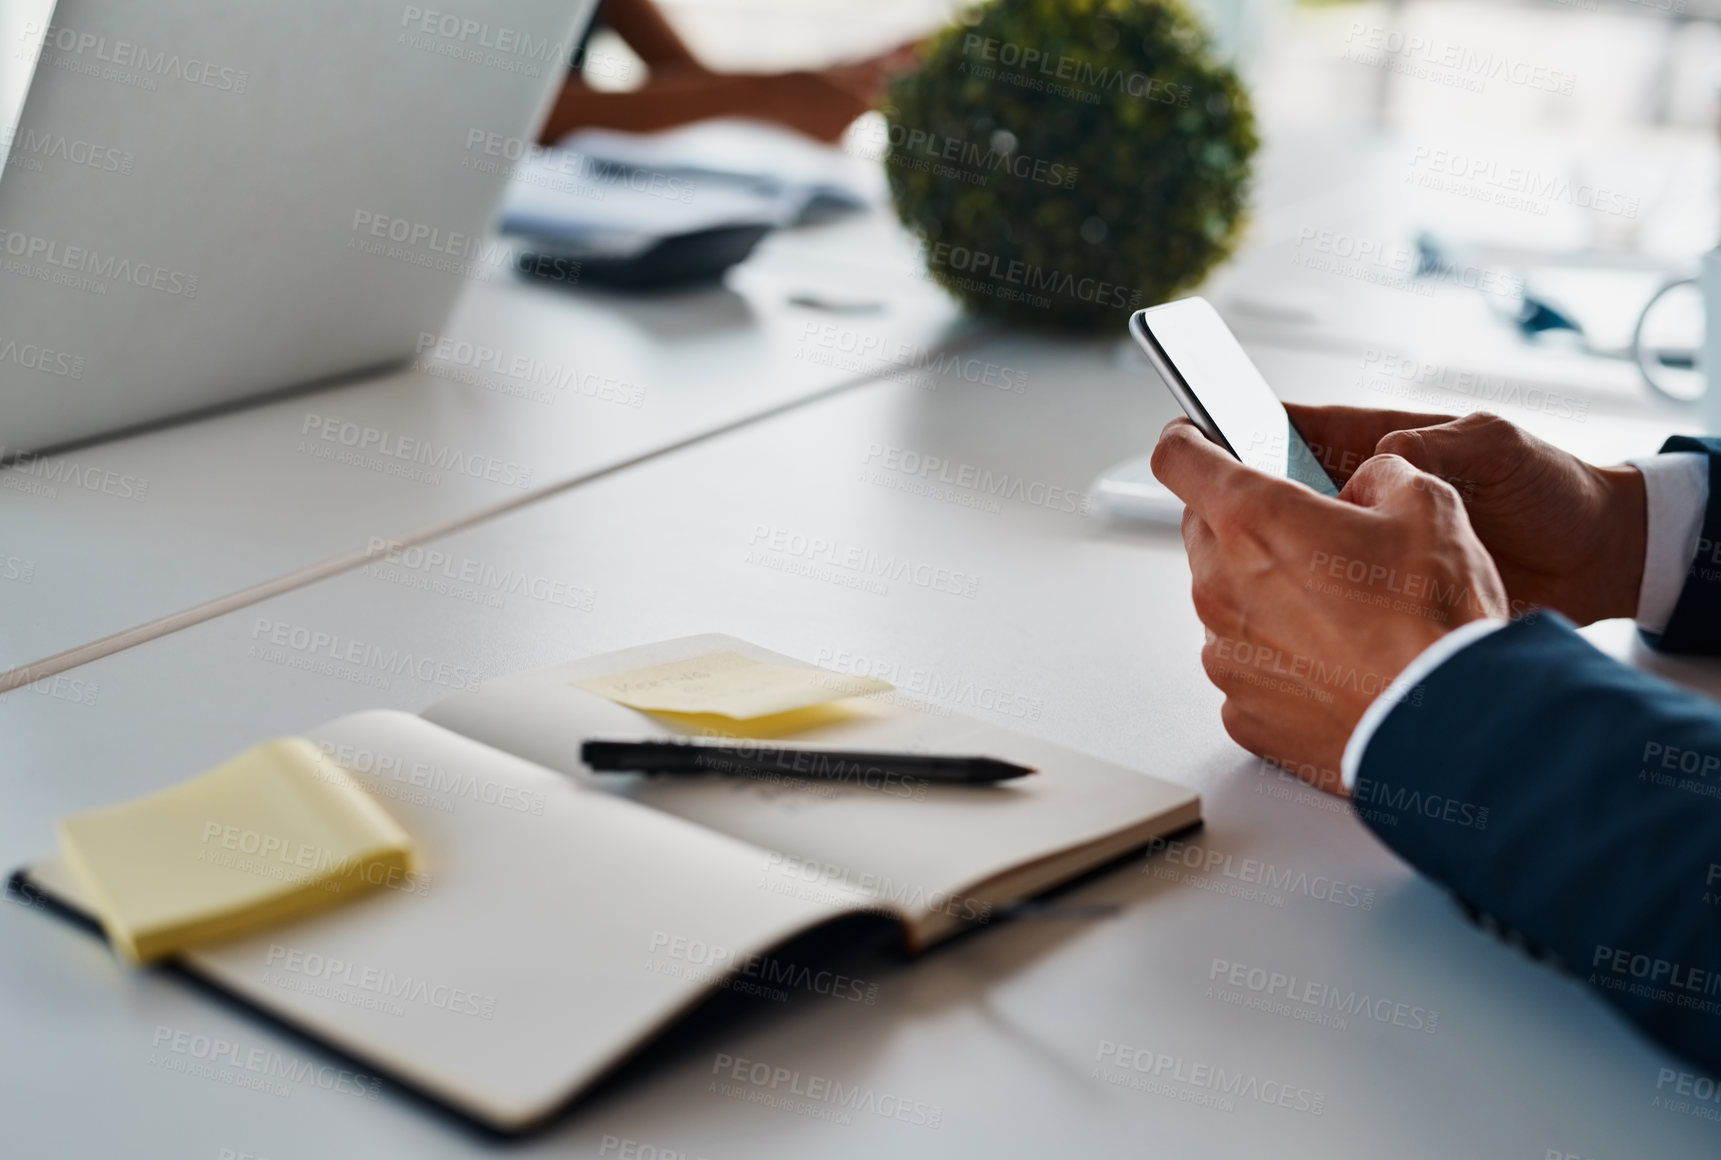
<point>1641,117</point>
<point>1362,135</point>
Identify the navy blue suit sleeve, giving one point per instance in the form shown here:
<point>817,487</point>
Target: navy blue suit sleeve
<point>1695,624</point>
<point>1576,802</point>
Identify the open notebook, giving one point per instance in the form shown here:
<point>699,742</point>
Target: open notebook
<point>566,918</point>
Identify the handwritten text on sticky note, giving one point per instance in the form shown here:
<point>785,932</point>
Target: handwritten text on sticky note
<point>729,685</point>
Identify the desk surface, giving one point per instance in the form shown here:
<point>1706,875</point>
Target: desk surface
<point>1077,633</point>
<point>121,533</point>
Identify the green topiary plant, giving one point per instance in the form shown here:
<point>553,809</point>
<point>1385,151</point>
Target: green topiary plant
<point>1065,162</point>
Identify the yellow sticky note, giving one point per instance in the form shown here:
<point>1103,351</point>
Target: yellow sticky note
<point>728,685</point>
<point>278,832</point>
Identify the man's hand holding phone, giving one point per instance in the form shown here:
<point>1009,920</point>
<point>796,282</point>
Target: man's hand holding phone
<point>1358,537</point>
<point>1313,604</point>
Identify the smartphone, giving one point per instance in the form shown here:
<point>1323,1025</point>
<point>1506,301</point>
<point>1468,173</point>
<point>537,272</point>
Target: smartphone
<point>1223,394</point>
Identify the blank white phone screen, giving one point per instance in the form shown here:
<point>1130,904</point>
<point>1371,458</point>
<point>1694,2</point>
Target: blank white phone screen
<point>1218,373</point>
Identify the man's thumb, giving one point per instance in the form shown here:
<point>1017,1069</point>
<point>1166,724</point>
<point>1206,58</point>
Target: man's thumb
<point>1424,447</point>
<point>1385,481</point>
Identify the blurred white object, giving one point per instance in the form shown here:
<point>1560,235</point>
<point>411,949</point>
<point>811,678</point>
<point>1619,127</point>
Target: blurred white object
<point>1667,342</point>
<point>1127,493</point>
<point>1709,279</point>
<point>736,154</point>
<point>23,28</point>
<point>657,209</point>
<point>563,194</point>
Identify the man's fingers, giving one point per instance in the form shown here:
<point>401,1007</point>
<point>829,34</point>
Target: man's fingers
<point>1195,468</point>
<point>1245,728</point>
<point>1477,447</point>
<point>1239,503</point>
<point>1197,536</point>
<point>1377,482</point>
<point>1389,482</point>
<point>1210,585</point>
<point>1342,437</point>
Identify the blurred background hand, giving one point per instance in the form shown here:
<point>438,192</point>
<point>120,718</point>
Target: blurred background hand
<point>679,88</point>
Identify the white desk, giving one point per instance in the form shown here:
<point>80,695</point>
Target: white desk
<point>242,500</point>
<point>183,515</point>
<point>1001,1031</point>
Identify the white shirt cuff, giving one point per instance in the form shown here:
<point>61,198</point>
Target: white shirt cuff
<point>1677,488</point>
<point>1404,684</point>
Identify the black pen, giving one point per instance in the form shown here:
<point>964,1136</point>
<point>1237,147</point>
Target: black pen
<point>697,755</point>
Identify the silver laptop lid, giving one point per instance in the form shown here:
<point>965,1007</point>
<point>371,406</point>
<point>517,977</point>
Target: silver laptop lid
<point>208,199</point>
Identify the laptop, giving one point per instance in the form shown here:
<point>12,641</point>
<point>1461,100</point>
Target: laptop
<point>206,200</point>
